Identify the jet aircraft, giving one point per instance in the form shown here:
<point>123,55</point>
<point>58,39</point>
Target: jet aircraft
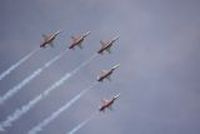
<point>108,103</point>
<point>107,73</point>
<point>77,41</point>
<point>106,46</point>
<point>48,39</point>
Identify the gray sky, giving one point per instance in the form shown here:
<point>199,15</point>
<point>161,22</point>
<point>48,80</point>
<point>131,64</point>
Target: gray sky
<point>158,51</point>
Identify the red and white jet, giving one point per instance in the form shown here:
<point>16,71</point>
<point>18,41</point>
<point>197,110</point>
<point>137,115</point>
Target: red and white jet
<point>107,73</point>
<point>48,39</point>
<point>106,46</point>
<point>77,41</point>
<point>108,103</point>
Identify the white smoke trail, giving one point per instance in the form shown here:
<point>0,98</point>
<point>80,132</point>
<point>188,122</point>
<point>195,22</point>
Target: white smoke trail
<point>54,115</point>
<point>25,108</point>
<point>82,124</point>
<point>13,67</point>
<point>74,130</point>
<point>11,92</point>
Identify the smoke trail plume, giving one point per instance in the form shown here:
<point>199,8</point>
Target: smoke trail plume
<point>82,124</point>
<point>13,67</point>
<point>48,120</point>
<point>25,108</point>
<point>11,92</point>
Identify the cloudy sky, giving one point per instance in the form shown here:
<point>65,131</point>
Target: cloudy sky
<point>158,49</point>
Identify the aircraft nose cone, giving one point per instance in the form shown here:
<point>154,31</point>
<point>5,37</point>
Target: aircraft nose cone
<point>58,32</point>
<point>117,96</point>
<point>86,34</point>
<point>116,66</point>
<point>116,38</point>
<point>89,32</point>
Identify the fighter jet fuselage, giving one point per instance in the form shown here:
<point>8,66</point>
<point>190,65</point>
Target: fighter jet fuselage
<point>44,44</point>
<point>102,108</point>
<point>108,103</point>
<point>106,46</point>
<point>77,41</point>
<point>101,78</point>
<point>107,74</point>
<point>48,40</point>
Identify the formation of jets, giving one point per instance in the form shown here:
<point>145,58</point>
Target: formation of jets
<point>105,46</point>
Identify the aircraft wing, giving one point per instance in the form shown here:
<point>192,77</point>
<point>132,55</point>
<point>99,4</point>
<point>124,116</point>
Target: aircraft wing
<point>102,43</point>
<point>103,72</point>
<point>104,101</point>
<point>45,37</point>
<point>74,39</point>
